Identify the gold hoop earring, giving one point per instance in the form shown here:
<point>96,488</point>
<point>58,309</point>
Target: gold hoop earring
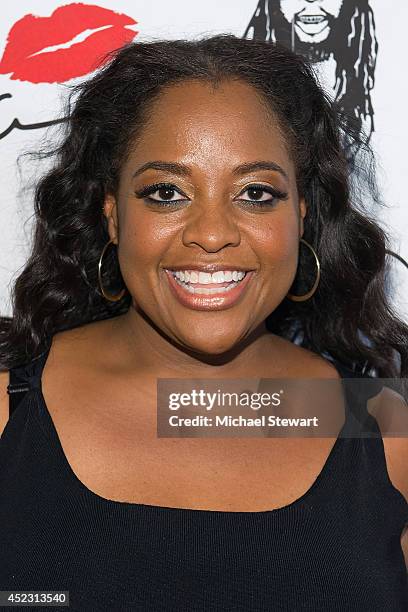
<point>107,296</point>
<point>306,296</point>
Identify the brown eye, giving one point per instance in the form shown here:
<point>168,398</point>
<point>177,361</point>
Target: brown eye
<point>262,195</point>
<point>165,193</point>
<point>255,193</point>
<point>161,193</point>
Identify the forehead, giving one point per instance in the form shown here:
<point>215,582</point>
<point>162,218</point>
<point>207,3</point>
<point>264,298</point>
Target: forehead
<point>198,121</point>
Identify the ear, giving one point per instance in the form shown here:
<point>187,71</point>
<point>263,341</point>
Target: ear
<point>302,212</point>
<point>110,210</point>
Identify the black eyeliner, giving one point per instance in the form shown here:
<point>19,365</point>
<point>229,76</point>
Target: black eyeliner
<point>146,191</point>
<point>277,193</point>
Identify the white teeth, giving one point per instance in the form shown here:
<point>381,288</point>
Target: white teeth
<point>311,18</point>
<point>205,278</point>
<point>188,278</point>
<point>218,277</point>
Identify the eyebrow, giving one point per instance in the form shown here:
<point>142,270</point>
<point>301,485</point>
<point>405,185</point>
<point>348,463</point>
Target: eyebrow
<point>183,170</point>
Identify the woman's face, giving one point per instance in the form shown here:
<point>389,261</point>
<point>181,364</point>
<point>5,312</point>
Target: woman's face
<point>313,18</point>
<point>216,208</point>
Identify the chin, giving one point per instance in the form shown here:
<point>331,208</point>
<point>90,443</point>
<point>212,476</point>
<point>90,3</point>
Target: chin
<point>312,38</point>
<point>210,349</point>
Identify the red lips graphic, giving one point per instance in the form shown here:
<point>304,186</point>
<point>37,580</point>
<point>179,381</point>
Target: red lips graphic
<point>31,34</point>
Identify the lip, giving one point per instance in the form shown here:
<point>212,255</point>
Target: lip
<point>217,301</point>
<point>30,35</point>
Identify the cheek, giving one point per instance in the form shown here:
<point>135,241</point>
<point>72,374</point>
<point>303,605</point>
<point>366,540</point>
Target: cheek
<point>277,245</point>
<point>143,234</point>
<point>143,246</point>
<point>278,242</point>
<point>289,8</point>
<point>333,7</point>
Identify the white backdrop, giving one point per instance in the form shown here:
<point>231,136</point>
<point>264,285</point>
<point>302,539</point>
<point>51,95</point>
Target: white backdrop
<point>40,56</point>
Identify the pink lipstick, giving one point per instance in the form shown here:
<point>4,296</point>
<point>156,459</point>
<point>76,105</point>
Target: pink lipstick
<point>221,300</point>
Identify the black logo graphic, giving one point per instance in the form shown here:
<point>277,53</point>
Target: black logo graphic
<point>343,30</point>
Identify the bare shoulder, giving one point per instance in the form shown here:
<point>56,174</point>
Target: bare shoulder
<point>77,338</point>
<point>80,345</point>
<point>4,400</point>
<point>81,362</point>
<point>302,362</point>
<point>78,359</point>
<point>67,347</point>
<point>391,413</point>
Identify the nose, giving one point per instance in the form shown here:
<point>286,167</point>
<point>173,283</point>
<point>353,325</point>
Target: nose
<point>211,227</point>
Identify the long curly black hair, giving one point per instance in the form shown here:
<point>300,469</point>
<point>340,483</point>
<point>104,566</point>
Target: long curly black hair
<point>349,317</point>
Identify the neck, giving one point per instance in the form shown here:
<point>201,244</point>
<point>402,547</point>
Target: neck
<point>136,340</point>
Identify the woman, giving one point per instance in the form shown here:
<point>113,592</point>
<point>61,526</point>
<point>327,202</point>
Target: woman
<point>220,154</point>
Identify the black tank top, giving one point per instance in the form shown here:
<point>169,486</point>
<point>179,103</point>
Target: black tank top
<point>336,548</point>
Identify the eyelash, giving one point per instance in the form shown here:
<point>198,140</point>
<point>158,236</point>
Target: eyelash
<point>146,191</point>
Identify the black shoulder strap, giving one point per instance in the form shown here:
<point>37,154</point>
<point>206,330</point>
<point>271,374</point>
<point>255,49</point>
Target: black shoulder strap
<point>16,390</point>
<point>24,377</point>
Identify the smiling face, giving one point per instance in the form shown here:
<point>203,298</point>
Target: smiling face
<point>214,207</point>
<point>313,19</point>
